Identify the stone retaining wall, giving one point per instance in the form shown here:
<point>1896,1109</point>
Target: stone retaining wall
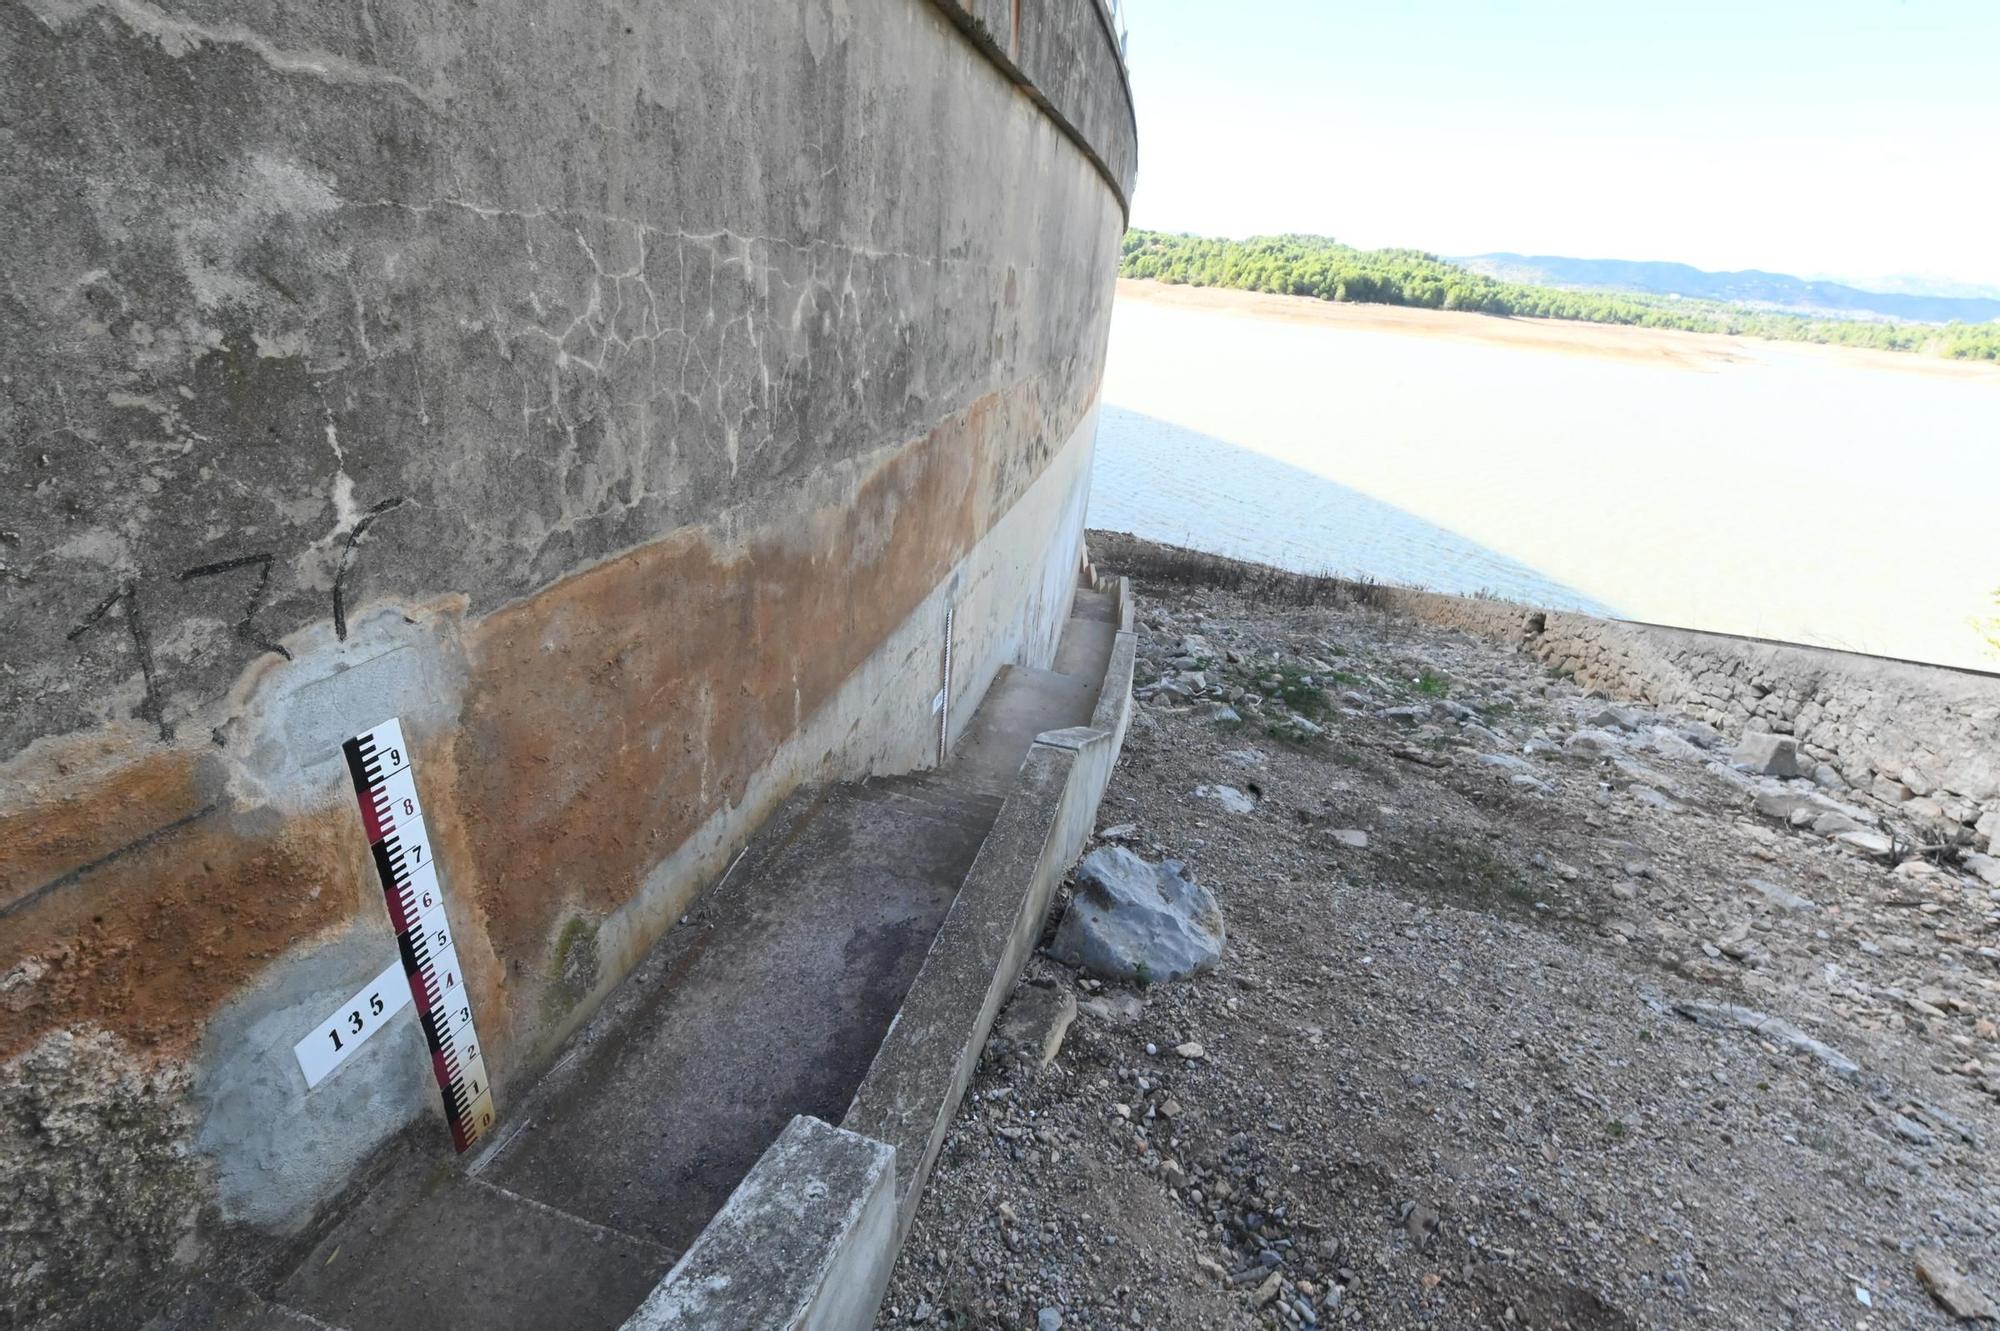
<point>1924,739</point>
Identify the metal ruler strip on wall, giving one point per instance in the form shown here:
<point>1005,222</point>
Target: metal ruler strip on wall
<point>380,762</point>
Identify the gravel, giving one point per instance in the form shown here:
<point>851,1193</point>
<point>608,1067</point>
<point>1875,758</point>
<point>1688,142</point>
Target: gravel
<point>1581,1041</point>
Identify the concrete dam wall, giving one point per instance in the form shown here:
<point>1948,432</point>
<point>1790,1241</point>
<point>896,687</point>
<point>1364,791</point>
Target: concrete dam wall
<point>626,399</point>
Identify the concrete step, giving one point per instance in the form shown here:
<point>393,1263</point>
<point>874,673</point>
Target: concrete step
<point>1086,645</point>
<point>1098,606</point>
<point>939,799</point>
<point>459,1254</point>
<point>1021,703</point>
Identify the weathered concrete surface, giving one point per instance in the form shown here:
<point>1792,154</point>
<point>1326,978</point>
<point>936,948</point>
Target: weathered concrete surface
<point>769,1007</point>
<point>1036,1020</point>
<point>461,1255</point>
<point>766,1261</point>
<point>805,1242</point>
<point>768,1002</point>
<point>95,1175</point>
<point>620,397</point>
<point>557,282</point>
<point>1066,58</point>
<point>260,1134</point>
<point>772,997</point>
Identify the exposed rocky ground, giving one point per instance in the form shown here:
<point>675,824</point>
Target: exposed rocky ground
<point>1535,1011</point>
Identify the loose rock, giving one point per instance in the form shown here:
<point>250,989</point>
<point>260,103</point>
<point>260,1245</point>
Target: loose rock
<point>1037,1020</point>
<point>1229,797</point>
<point>1954,1293</point>
<point>1133,920</point>
<point>1484,1010</point>
<point>1769,755</point>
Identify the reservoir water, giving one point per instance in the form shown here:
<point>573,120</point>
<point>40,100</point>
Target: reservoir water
<point>1807,494</point>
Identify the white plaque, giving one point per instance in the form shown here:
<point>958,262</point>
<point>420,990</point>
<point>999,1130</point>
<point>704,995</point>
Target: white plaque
<point>322,1052</point>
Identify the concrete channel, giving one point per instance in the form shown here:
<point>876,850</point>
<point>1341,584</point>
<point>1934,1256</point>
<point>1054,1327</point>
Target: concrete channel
<point>739,1136</point>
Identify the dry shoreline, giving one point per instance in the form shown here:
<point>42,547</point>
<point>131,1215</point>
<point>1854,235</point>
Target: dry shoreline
<point>1657,346</point>
<point>1534,1012</point>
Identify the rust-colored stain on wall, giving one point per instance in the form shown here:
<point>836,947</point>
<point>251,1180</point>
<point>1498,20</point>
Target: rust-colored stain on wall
<point>606,718</point>
<point>613,714</point>
<point>77,822</point>
<point>148,945</point>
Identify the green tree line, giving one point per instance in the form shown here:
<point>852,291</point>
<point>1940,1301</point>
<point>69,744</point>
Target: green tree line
<point>1316,266</point>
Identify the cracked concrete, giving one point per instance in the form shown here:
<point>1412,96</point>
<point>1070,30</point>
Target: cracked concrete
<point>178,36</point>
<point>584,348</point>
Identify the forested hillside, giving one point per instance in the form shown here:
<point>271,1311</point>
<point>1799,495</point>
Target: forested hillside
<point>1316,266</point>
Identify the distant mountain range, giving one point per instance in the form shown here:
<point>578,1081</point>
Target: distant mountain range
<point>1771,291</point>
<point>1913,284</point>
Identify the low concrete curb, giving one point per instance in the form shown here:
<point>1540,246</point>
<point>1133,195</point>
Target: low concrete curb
<point>809,1238</point>
<point>921,1071</point>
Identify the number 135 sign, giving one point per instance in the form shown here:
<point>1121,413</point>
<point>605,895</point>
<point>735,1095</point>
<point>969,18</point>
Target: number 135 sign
<point>353,1022</point>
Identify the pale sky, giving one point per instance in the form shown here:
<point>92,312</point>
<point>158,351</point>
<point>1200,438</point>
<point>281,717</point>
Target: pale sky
<point>1853,138</point>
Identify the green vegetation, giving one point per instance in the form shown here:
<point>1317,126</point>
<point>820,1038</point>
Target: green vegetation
<point>1432,685</point>
<point>1297,689</point>
<point>1460,868</point>
<point>575,967</point>
<point>1316,266</point>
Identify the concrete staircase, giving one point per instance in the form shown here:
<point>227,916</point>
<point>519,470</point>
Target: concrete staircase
<point>769,1000</point>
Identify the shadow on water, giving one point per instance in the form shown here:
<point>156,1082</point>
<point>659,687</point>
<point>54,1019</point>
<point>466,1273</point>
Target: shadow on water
<point>1165,482</point>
